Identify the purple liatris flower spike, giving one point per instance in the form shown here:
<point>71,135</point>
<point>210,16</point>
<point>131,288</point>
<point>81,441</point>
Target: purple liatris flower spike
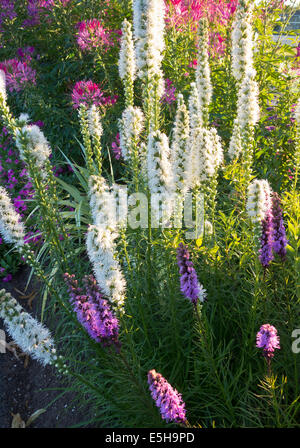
<point>266,252</point>
<point>279,236</point>
<point>166,398</point>
<point>93,312</point>
<point>267,339</point>
<point>189,284</point>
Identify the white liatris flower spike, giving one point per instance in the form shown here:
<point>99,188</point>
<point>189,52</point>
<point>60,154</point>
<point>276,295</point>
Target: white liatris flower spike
<point>29,334</point>
<point>208,153</point>
<point>36,144</point>
<point>130,128</point>
<point>102,203</point>
<point>203,79</point>
<point>242,40</point>
<point>120,202</point>
<point>94,122</point>
<point>3,85</point>
<point>180,146</point>
<point>23,119</point>
<point>258,200</point>
<point>11,226</point>
<point>235,145</point>
<point>297,113</point>
<point>160,175</point>
<point>248,113</point>
<point>149,24</point>
<point>218,147</point>
<point>196,119</point>
<point>207,156</point>
<point>101,251</point>
<point>127,65</point>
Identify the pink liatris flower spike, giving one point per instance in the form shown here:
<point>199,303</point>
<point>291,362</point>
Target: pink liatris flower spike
<point>267,339</point>
<point>189,284</point>
<point>93,312</point>
<point>266,252</point>
<point>166,398</point>
<point>279,238</point>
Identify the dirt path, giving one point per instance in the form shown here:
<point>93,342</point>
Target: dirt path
<point>23,381</point>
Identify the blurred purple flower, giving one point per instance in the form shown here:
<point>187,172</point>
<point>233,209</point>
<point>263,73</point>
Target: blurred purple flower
<point>268,340</point>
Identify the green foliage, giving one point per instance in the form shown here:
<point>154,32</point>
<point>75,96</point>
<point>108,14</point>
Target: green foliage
<point>210,356</point>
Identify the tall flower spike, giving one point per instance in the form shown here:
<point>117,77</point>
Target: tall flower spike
<point>248,108</point>
<point>3,85</point>
<point>93,312</point>
<point>127,65</point>
<point>96,131</point>
<point>268,339</point>
<point>94,121</point>
<point>11,226</point>
<point>297,113</point>
<point>196,119</point>
<point>248,114</point>
<point>29,334</point>
<point>160,176</point>
<point>101,251</point>
<point>242,40</point>
<point>130,128</point>
<point>180,149</point>
<point>167,399</point>
<point>36,144</point>
<point>149,24</point>
<point>266,249</point>
<point>190,286</point>
<point>207,156</point>
<point>279,236</point>
<point>102,204</point>
<point>148,19</point>
<point>259,200</point>
<point>203,70</point>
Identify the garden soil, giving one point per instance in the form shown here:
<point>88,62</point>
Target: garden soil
<point>27,387</point>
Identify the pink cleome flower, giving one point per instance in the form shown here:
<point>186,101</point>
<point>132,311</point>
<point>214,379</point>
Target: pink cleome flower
<point>89,93</point>
<point>91,34</point>
<point>18,74</point>
<point>185,14</point>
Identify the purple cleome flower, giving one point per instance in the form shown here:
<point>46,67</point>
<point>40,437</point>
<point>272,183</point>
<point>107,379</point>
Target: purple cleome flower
<point>166,398</point>
<point>189,284</point>
<point>93,312</point>
<point>267,339</point>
